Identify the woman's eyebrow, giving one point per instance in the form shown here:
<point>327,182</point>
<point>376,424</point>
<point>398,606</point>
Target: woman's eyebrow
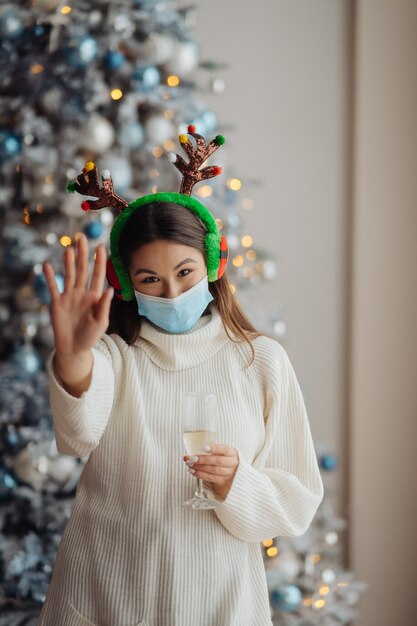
<point>142,270</point>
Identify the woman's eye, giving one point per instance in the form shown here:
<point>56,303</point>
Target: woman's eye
<point>185,270</point>
<point>150,279</point>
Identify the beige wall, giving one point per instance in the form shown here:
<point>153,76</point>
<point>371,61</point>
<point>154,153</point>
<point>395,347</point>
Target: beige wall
<point>383,459</point>
<point>287,102</point>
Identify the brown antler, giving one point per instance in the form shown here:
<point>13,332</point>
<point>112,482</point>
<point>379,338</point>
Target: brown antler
<point>88,185</point>
<point>191,174</point>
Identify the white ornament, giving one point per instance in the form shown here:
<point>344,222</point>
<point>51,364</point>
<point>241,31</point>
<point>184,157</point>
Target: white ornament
<point>97,134</point>
<point>158,49</point>
<point>159,129</point>
<point>61,468</point>
<point>131,135</point>
<point>184,59</point>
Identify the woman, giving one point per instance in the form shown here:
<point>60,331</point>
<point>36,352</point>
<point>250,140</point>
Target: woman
<point>130,554</point>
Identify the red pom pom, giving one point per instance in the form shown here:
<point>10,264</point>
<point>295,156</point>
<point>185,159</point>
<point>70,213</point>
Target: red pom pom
<point>85,205</point>
<point>217,170</point>
<point>191,129</point>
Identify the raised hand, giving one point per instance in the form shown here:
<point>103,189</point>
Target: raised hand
<point>80,315</point>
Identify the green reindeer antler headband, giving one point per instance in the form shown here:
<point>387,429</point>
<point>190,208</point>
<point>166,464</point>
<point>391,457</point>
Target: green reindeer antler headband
<point>216,250</point>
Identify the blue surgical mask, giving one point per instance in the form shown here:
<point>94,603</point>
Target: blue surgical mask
<point>176,315</point>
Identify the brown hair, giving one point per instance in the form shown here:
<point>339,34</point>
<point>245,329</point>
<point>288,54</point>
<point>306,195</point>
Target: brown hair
<point>165,220</point>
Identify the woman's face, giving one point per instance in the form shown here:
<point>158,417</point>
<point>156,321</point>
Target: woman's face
<point>166,269</point>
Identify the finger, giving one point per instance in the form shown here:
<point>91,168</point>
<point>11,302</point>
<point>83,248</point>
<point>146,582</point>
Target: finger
<point>223,461</point>
<point>223,449</point>
<point>213,470</point>
<point>215,480</point>
<point>102,308</point>
<point>82,262</point>
<point>99,271</point>
<point>69,269</point>
<point>50,281</point>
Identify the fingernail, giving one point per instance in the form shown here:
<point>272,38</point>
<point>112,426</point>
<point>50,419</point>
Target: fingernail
<point>192,471</point>
<point>194,459</point>
<point>189,463</point>
<point>206,448</point>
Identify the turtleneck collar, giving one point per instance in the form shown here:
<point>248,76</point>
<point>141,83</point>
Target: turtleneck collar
<point>185,350</point>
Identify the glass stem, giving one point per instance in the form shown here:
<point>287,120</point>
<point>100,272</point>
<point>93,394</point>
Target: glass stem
<point>200,489</point>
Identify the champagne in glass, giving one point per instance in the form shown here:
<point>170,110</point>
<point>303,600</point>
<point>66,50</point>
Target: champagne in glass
<point>199,429</point>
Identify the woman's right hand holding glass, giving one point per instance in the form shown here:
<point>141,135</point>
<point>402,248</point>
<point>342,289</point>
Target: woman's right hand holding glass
<point>79,315</point>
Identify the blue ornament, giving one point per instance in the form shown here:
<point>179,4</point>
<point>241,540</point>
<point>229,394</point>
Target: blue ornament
<point>286,598</point>
<point>27,360</point>
<point>40,287</point>
<point>146,78</point>
<point>10,144</point>
<point>10,23</point>
<point>7,483</point>
<point>114,59</point>
<point>328,462</point>
<point>210,120</point>
<point>13,437</point>
<point>81,51</point>
<point>93,230</point>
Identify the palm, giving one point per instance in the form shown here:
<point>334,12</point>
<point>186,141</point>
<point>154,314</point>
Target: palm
<point>79,315</point>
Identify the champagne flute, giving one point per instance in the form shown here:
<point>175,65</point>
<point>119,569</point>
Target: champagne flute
<point>201,417</point>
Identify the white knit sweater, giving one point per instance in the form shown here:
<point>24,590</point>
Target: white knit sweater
<point>130,554</point>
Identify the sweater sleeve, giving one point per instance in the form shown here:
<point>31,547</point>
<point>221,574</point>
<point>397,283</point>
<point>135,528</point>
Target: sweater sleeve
<point>80,422</point>
<point>279,493</point>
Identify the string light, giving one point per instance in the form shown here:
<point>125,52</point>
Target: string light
<point>65,241</point>
<point>324,590</point>
<point>234,184</point>
<point>36,69</point>
<point>66,9</point>
<point>238,260</point>
<point>219,223</point>
<point>268,543</point>
<point>272,552</point>
<point>251,255</point>
<point>173,80</point>
<point>169,114</point>
<point>116,94</point>
<point>232,288</point>
<point>205,191</point>
<point>247,241</point>
<point>157,152</point>
<point>319,604</point>
<point>248,272</point>
<point>308,601</point>
<point>153,174</point>
<point>169,145</point>
<point>77,236</point>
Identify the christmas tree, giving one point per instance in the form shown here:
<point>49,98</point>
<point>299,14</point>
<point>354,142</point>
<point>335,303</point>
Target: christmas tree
<point>113,83</point>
